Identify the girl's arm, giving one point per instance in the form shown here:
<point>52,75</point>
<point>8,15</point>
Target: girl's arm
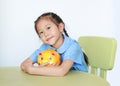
<point>60,70</point>
<point>26,64</point>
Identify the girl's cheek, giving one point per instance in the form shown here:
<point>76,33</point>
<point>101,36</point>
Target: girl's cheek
<point>42,39</point>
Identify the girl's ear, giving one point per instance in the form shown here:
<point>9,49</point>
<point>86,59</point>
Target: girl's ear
<point>61,27</point>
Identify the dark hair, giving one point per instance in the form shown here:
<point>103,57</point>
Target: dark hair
<point>54,18</point>
<point>86,59</point>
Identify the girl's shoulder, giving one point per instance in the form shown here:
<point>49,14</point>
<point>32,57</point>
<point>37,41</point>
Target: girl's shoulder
<point>73,42</point>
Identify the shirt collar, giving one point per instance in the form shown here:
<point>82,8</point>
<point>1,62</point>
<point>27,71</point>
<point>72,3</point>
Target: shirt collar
<point>65,44</point>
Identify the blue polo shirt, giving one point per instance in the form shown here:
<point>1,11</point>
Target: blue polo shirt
<point>69,50</point>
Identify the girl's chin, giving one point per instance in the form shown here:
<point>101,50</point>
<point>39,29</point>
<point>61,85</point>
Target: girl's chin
<point>53,45</point>
<point>50,43</point>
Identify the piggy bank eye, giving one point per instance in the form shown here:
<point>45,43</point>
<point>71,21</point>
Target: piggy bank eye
<point>50,58</point>
<point>41,58</point>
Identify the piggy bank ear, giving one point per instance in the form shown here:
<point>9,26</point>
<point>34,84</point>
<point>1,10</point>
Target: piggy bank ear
<point>40,53</point>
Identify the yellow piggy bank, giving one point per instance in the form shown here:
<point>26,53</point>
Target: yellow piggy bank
<point>50,57</point>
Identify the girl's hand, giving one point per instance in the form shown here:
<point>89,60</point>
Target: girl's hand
<point>46,64</point>
<point>54,64</point>
<point>25,66</point>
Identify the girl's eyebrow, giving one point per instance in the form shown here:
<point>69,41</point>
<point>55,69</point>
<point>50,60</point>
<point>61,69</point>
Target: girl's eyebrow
<point>47,25</point>
<point>39,30</point>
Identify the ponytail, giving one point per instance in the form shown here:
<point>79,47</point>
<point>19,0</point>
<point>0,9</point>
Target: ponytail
<point>66,32</point>
<point>86,59</point>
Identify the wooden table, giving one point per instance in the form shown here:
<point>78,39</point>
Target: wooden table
<point>13,76</point>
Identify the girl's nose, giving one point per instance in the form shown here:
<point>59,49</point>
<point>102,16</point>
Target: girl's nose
<point>46,33</point>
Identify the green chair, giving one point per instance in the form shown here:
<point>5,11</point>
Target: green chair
<point>100,52</point>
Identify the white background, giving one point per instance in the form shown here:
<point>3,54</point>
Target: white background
<point>18,38</point>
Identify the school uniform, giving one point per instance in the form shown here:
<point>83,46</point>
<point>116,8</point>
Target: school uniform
<point>69,50</point>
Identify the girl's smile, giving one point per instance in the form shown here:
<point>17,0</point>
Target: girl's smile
<point>49,38</point>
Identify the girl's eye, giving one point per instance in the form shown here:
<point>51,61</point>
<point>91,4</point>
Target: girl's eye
<point>40,33</point>
<point>48,27</point>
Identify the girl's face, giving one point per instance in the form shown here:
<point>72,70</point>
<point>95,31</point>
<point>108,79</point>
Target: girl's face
<point>50,33</point>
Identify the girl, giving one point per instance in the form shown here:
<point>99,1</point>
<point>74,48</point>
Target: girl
<point>51,30</point>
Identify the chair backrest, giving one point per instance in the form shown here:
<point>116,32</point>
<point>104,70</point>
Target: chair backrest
<point>100,52</point>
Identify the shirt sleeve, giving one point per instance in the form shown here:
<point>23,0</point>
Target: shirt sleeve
<point>34,55</point>
<point>74,53</point>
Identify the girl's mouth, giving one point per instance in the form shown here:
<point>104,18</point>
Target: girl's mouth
<point>49,38</point>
